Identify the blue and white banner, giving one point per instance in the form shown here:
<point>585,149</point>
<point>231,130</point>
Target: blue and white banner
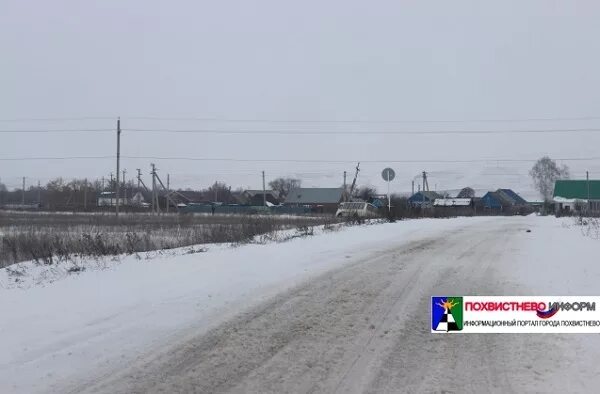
<point>518,314</point>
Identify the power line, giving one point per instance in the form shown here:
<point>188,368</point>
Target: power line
<point>314,132</point>
<point>57,131</point>
<point>350,161</point>
<point>83,118</point>
<point>183,158</point>
<point>362,132</point>
<point>56,158</point>
<point>365,121</point>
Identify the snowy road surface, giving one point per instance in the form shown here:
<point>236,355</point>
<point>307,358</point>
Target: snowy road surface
<point>339,312</point>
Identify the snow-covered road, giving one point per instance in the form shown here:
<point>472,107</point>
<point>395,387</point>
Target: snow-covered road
<point>340,312</point>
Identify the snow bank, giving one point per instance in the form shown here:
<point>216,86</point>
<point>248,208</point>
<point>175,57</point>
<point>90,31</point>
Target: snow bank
<point>92,322</point>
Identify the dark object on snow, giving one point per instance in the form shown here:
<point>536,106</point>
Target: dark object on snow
<point>528,230</point>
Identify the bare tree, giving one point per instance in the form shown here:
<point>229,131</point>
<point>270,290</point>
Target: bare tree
<point>364,192</point>
<point>544,173</point>
<point>284,185</point>
<point>466,192</point>
<point>219,192</point>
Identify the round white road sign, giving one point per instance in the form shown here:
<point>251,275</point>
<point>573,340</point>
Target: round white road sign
<point>388,174</point>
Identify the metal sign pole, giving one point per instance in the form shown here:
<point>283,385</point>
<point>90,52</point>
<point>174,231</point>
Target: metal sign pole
<point>388,175</point>
<point>388,193</point>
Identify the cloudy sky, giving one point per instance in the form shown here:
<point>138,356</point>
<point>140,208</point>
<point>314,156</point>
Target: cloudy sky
<point>376,76</point>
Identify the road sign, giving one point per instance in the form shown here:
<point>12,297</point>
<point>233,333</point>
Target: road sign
<point>388,174</point>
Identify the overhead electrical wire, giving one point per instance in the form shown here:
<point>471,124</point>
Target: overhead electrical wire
<point>185,158</point>
<point>311,132</point>
<point>364,121</point>
<point>362,132</point>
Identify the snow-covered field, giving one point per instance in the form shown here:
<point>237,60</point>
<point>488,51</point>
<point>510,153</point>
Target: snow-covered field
<point>81,330</point>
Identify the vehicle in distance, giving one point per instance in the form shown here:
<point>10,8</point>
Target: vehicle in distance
<point>357,209</point>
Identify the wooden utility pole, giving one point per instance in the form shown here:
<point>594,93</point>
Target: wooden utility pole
<point>587,181</point>
<point>168,186</point>
<point>264,191</point>
<point>413,187</point>
<point>345,188</point>
<point>39,194</point>
<point>124,188</point>
<point>118,185</point>
<point>23,193</point>
<point>354,181</point>
<point>139,178</point>
<point>154,196</point>
<point>85,194</point>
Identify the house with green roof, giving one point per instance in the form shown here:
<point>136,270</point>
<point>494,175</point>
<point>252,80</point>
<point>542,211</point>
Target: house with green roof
<point>576,196</point>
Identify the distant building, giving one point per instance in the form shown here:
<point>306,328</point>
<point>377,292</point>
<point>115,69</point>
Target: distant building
<point>502,200</point>
<point>424,199</point>
<point>255,197</point>
<point>138,200</point>
<point>452,202</point>
<point>108,199</point>
<point>317,199</point>
<point>576,196</point>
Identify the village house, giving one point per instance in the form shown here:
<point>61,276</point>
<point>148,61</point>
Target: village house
<point>108,199</point>
<point>258,197</point>
<point>503,200</point>
<point>424,199</point>
<point>322,200</point>
<point>576,196</point>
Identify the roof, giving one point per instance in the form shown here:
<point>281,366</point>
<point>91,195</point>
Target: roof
<point>577,189</point>
<point>452,202</point>
<point>514,196</point>
<point>315,195</point>
<point>502,198</point>
<point>253,193</point>
<point>429,194</point>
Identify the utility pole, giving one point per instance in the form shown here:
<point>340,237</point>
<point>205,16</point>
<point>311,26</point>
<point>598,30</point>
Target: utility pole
<point>354,181</point>
<point>23,193</point>
<point>216,192</point>
<point>168,189</point>
<point>110,186</point>
<point>264,191</point>
<point>345,188</point>
<point>139,179</point>
<point>413,187</point>
<point>168,196</point>
<point>587,181</point>
<point>85,194</point>
<point>118,164</point>
<point>154,196</point>
<point>124,188</point>
<point>39,194</point>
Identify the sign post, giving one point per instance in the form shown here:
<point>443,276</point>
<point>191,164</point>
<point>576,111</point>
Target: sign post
<point>388,175</point>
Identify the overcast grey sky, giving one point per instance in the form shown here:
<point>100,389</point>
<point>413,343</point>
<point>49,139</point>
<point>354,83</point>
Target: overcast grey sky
<point>308,60</point>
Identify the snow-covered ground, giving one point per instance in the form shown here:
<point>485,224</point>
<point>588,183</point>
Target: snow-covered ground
<point>85,327</point>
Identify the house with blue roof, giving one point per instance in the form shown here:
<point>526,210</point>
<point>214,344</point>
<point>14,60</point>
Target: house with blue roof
<point>423,199</point>
<point>502,200</point>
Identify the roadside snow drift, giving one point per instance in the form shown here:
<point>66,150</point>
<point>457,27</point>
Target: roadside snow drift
<point>83,326</point>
